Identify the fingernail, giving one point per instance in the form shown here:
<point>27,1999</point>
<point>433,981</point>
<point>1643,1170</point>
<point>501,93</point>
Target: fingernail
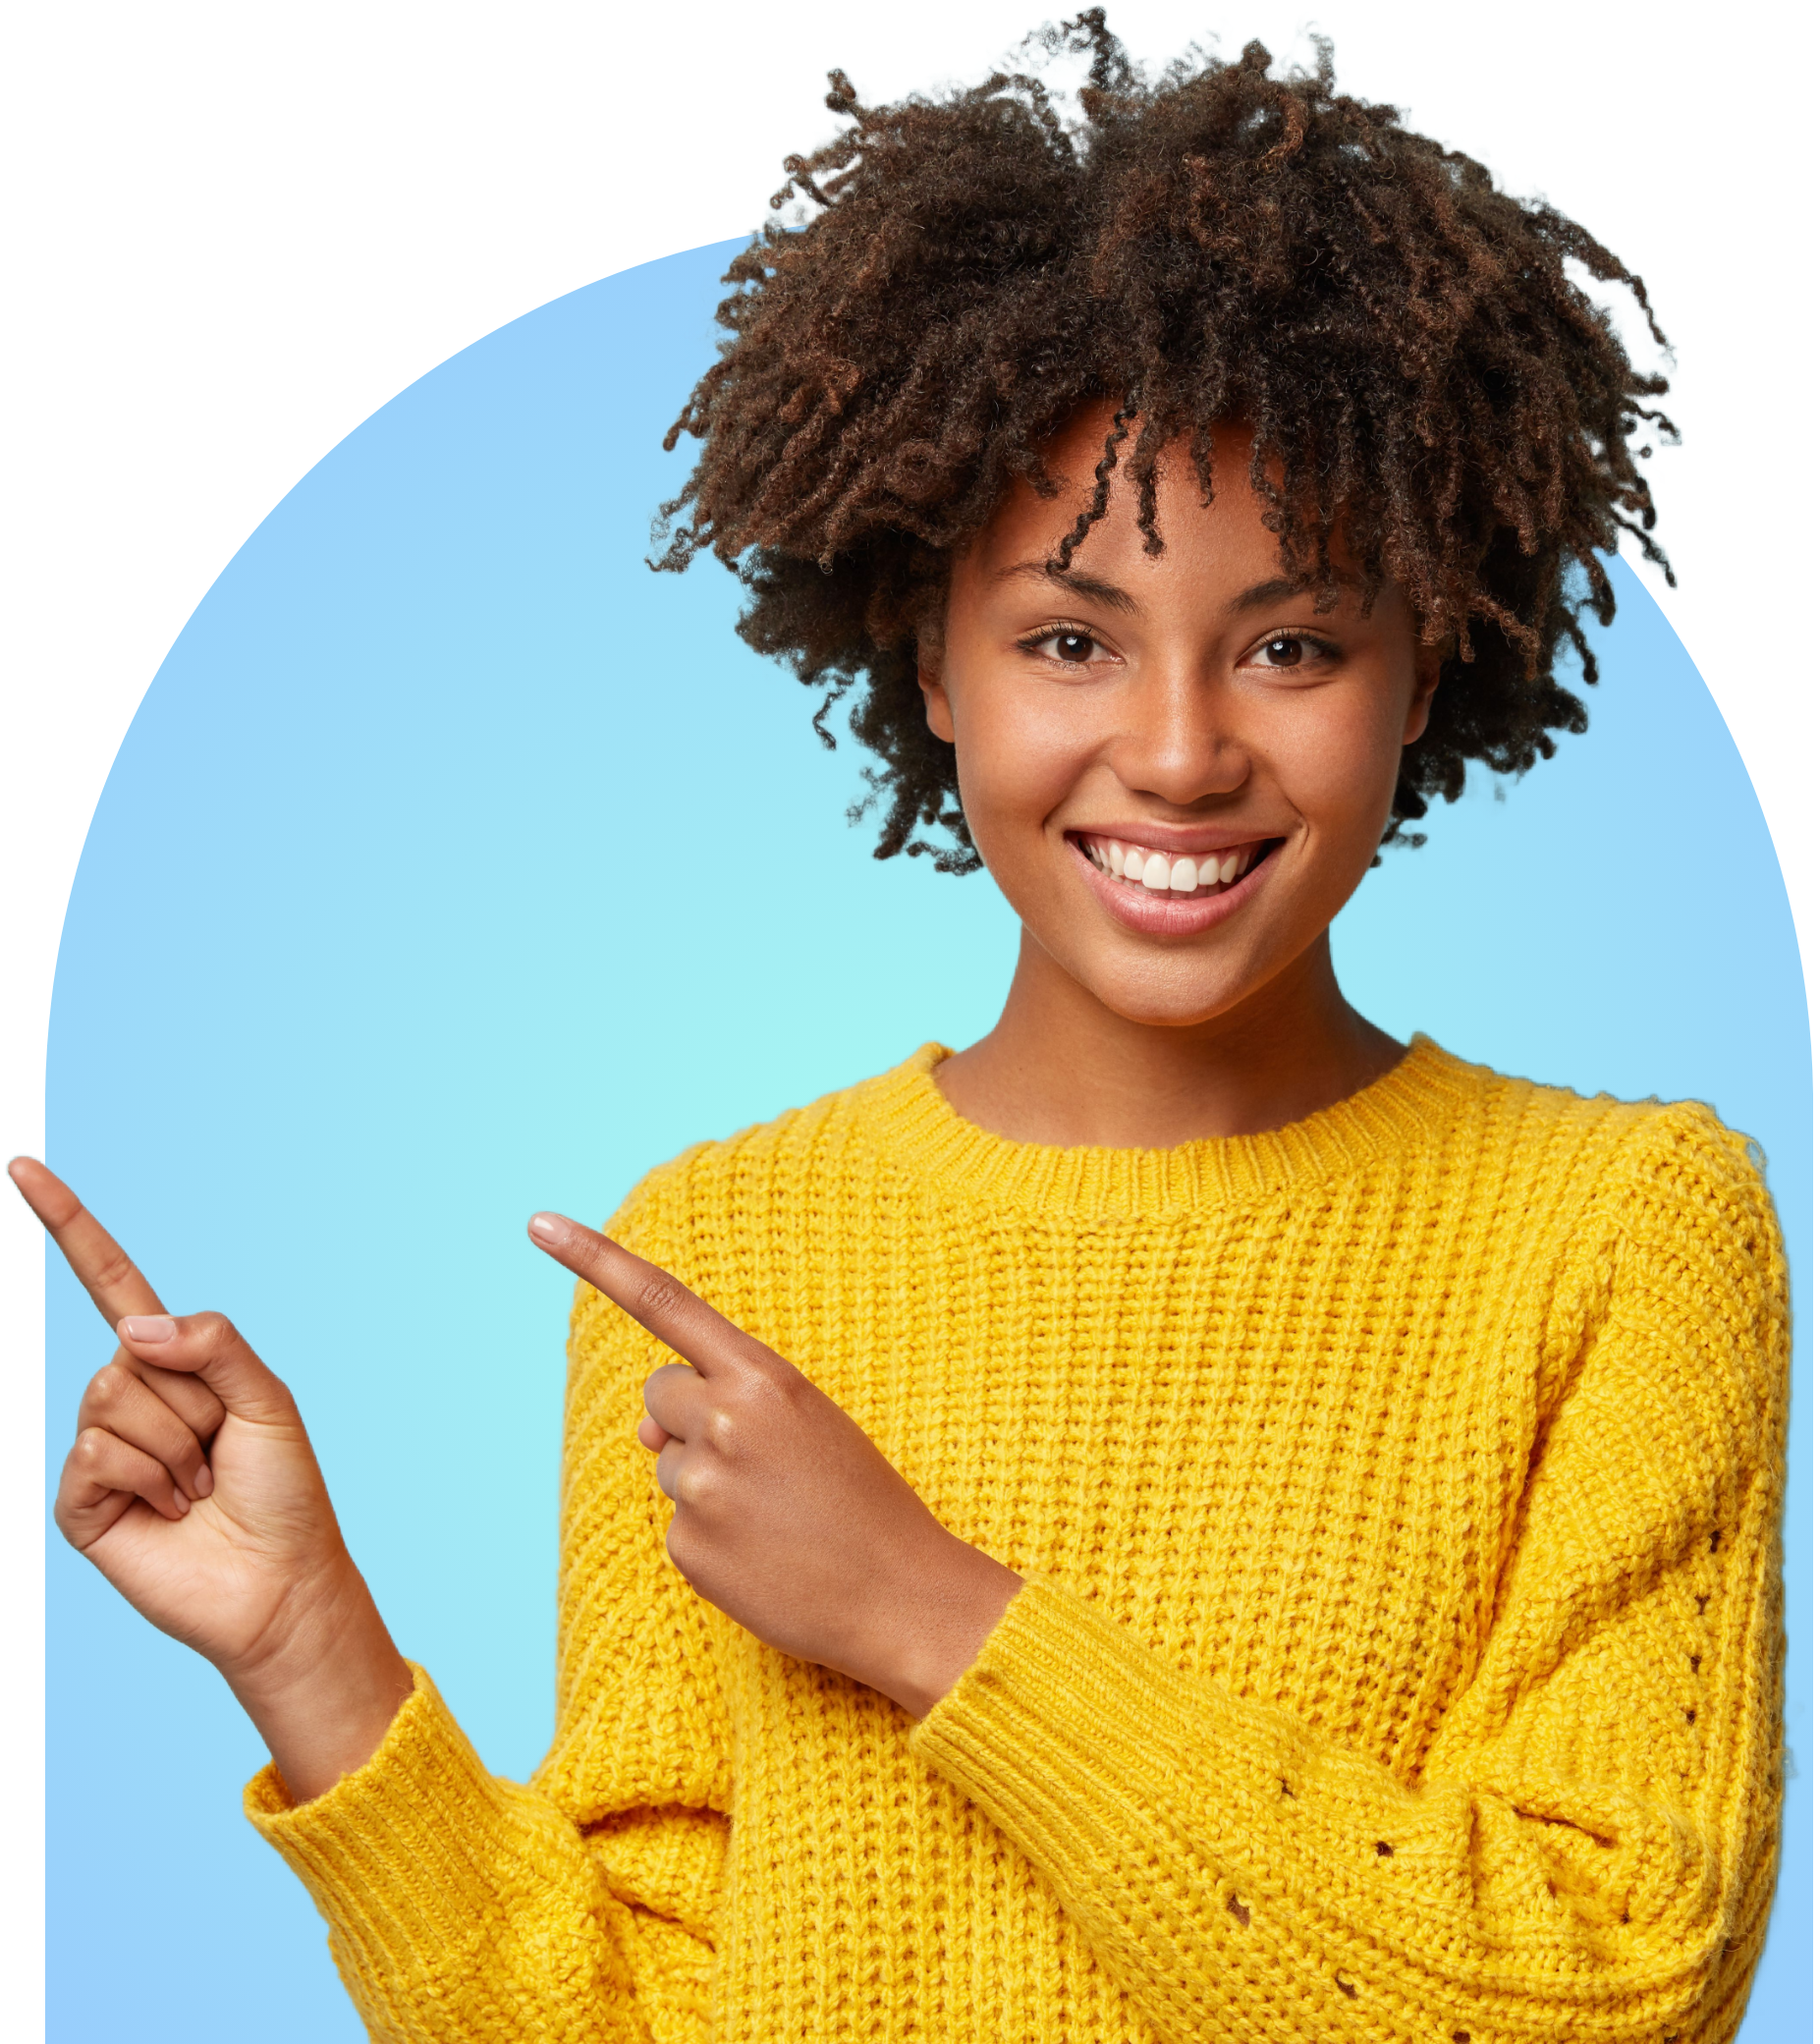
<point>181,1502</point>
<point>545,1226</point>
<point>205,1480</point>
<point>148,1327</point>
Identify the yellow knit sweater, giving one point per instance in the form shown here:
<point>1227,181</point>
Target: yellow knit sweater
<point>1400,1653</point>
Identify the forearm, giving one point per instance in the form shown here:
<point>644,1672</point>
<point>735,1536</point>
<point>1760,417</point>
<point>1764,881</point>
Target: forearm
<point>1234,1867</point>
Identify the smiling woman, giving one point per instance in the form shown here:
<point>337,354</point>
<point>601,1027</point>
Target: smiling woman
<point>1190,1517</point>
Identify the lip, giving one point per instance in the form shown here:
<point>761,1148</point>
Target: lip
<point>1166,916</point>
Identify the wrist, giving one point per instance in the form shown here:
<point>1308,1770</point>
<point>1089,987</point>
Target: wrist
<point>956,1606</point>
<point>323,1694</point>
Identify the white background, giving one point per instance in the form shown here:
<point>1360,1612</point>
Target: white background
<point>233,231</point>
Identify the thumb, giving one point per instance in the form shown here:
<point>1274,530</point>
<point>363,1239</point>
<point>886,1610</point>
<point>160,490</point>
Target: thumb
<point>211,1346</point>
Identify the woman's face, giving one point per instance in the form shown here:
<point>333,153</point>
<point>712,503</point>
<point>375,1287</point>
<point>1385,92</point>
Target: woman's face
<point>1173,765</point>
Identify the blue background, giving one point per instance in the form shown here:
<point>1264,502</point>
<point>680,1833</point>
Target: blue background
<point>456,865</point>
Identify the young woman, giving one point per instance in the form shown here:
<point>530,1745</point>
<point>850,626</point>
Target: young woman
<point>1187,1518</point>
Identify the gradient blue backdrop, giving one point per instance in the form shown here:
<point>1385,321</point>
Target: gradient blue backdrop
<point>457,866</point>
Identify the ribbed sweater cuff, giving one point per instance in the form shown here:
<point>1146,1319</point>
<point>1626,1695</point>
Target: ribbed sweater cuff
<point>1062,1713</point>
<point>389,1853</point>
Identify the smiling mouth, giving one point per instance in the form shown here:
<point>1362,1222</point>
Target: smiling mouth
<point>1187,876</point>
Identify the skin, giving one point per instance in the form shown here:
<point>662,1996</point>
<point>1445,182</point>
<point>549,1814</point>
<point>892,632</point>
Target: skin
<point>1189,701</point>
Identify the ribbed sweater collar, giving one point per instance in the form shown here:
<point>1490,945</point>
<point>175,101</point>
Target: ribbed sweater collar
<point>914,1125</point>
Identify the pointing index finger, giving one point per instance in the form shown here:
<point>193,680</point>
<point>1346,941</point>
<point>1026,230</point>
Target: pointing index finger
<point>662,1305</point>
<point>108,1274</point>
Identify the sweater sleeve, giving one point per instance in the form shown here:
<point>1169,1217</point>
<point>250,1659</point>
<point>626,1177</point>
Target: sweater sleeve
<point>1589,1849</point>
<point>463,1909</point>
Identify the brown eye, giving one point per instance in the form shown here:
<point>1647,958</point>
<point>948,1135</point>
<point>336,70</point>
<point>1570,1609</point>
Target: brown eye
<point>1072,646</point>
<point>1284,652</point>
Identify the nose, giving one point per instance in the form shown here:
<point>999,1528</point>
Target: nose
<point>1178,743</point>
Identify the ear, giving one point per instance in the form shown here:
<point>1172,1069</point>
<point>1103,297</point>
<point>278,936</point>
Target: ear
<point>1427,679</point>
<point>935,704</point>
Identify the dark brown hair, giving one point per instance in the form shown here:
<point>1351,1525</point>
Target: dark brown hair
<point>1404,342</point>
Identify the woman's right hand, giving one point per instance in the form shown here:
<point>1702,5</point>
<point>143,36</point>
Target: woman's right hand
<point>193,1487</point>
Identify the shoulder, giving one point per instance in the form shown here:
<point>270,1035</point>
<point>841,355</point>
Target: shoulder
<point>1660,1199</point>
<point>1696,1241</point>
<point>1647,1182</point>
<point>1628,1149</point>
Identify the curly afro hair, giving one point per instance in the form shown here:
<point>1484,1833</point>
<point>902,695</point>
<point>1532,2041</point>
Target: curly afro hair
<point>1404,343</point>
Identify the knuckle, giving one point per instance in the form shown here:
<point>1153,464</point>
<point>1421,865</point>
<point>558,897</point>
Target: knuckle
<point>659,1296</point>
<point>110,1387</point>
<point>114,1268</point>
<point>776,1387</point>
<point>766,1369</point>
<point>699,1485</point>
<point>216,1330</point>
<point>792,1385</point>
<point>91,1447</point>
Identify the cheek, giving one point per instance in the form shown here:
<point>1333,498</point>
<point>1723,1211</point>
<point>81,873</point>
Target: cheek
<point>1014,764</point>
<point>1338,762</point>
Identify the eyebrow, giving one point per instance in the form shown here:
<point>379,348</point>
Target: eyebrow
<point>1087,585</point>
<point>1280,588</point>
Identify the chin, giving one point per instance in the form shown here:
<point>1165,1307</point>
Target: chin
<point>1166,1001</point>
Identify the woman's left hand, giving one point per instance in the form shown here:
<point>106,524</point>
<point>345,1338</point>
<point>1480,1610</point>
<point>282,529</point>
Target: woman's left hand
<point>787,1517</point>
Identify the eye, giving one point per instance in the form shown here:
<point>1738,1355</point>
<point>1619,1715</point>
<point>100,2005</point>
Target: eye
<point>1285,650</point>
<point>1064,644</point>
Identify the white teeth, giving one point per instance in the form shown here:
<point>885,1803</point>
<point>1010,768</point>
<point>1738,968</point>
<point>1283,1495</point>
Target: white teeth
<point>1160,872</point>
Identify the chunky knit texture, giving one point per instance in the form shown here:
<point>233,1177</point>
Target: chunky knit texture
<point>1400,1653</point>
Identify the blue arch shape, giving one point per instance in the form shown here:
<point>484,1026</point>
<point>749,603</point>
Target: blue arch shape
<point>457,866</point>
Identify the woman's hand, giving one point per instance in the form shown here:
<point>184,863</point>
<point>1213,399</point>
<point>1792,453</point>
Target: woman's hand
<point>787,1517</point>
<point>193,1487</point>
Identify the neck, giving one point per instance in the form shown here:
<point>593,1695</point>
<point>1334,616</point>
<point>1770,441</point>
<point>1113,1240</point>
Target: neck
<point>1060,1066</point>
